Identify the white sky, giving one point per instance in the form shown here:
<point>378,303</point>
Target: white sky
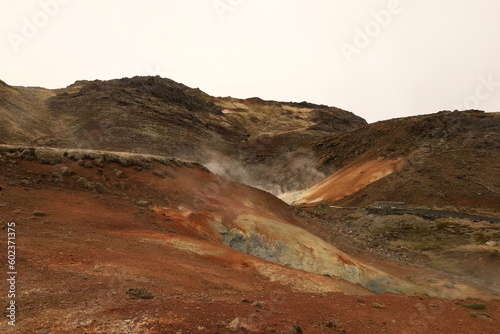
<point>429,55</point>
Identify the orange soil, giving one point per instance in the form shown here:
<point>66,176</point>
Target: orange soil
<point>351,179</point>
<point>76,263</point>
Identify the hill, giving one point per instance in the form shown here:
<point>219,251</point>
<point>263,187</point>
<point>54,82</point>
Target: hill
<point>448,159</point>
<point>113,242</point>
<point>153,115</point>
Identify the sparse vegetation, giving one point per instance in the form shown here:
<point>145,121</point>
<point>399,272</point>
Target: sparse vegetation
<point>50,156</point>
<point>120,174</point>
<point>127,161</point>
<point>99,162</point>
<point>176,162</point>
<point>441,225</point>
<point>475,306</point>
<point>159,173</point>
<point>479,314</point>
<point>481,238</point>
<point>139,293</point>
<point>321,207</point>
<point>64,171</point>
<point>86,163</point>
<point>94,186</point>
<point>170,175</point>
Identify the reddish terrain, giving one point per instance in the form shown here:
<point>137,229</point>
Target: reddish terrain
<point>89,231</point>
<point>115,242</point>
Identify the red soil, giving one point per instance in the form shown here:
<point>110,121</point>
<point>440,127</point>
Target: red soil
<point>76,263</point>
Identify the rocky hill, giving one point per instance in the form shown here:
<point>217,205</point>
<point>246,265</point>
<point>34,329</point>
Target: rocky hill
<point>448,159</point>
<point>153,115</point>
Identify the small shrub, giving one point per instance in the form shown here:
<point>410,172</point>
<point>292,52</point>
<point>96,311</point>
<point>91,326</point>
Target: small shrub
<point>126,161</point>
<point>65,171</point>
<point>480,237</point>
<point>475,306</point>
<point>120,174</point>
<point>39,214</point>
<point>50,156</point>
<point>139,293</point>
<point>176,162</point>
<point>93,185</point>
<point>170,175</point>
<point>159,173</point>
<point>147,165</point>
<point>85,164</point>
<point>321,207</point>
<point>27,154</point>
<point>443,225</point>
<point>99,162</point>
<point>110,157</point>
<point>479,314</point>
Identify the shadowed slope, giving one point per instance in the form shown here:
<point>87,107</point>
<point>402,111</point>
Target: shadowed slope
<point>450,158</point>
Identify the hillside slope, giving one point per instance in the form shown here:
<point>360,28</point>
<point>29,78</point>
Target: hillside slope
<point>97,230</point>
<point>153,115</point>
<point>444,159</point>
<point>191,206</point>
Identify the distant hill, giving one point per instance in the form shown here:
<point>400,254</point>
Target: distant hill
<point>154,115</point>
<point>443,159</point>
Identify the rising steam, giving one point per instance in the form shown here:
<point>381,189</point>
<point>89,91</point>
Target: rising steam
<point>296,171</point>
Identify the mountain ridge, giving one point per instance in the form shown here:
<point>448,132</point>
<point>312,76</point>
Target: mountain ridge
<point>160,116</point>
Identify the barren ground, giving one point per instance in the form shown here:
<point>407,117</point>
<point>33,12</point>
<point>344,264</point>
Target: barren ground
<point>81,247</point>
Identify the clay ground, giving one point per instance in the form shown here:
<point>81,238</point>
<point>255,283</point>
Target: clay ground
<point>80,250</point>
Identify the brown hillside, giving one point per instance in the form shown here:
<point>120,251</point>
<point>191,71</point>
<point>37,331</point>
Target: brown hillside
<point>100,233</point>
<point>153,115</point>
<point>450,159</point>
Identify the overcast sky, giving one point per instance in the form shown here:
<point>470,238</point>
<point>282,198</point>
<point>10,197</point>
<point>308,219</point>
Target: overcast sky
<point>377,58</point>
